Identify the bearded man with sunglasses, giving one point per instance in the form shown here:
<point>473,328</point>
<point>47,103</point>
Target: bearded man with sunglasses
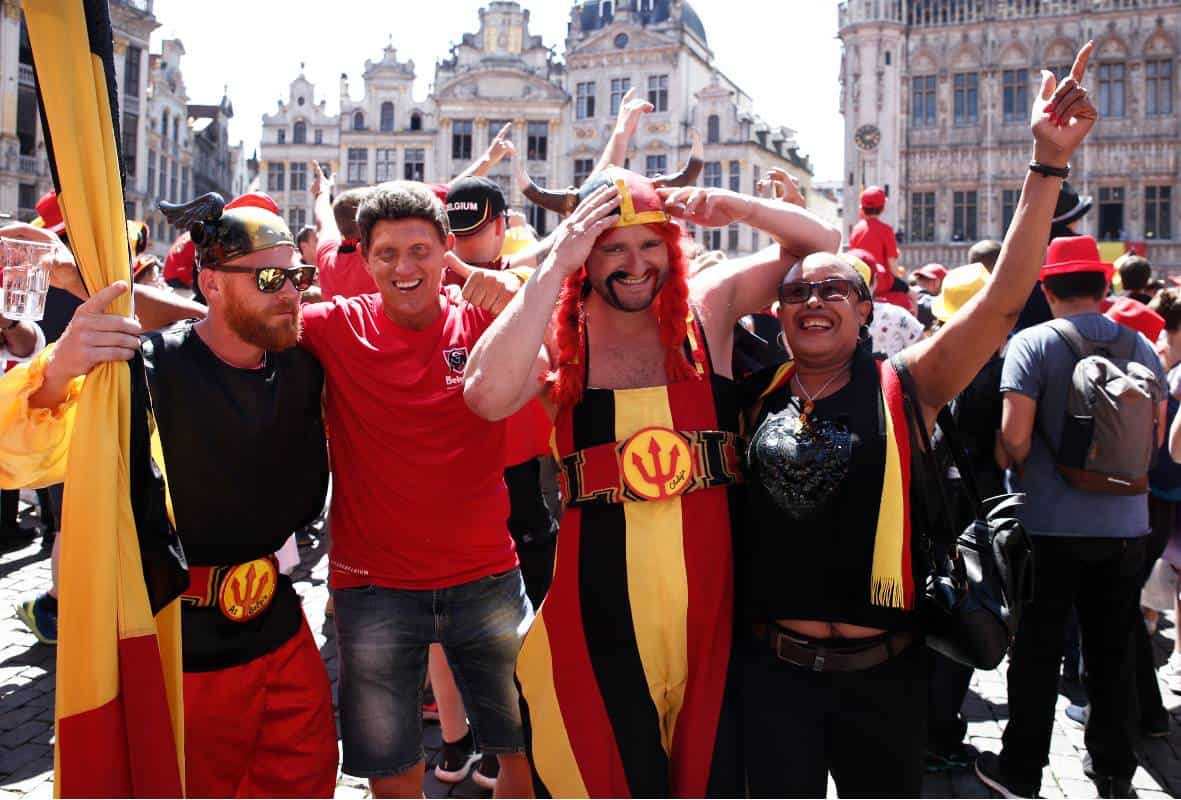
<point>241,442</point>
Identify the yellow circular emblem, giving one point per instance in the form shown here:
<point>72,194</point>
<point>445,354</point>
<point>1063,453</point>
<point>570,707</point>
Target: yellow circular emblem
<point>247,589</point>
<point>656,463</point>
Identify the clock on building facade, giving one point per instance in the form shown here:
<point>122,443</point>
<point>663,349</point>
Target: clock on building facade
<point>867,137</point>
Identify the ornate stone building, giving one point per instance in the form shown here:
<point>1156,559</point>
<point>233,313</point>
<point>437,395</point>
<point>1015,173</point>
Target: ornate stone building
<point>936,97</point>
<point>561,114</point>
<point>24,168</point>
<point>503,74</point>
<point>661,48</point>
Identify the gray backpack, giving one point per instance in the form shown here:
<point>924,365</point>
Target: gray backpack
<point>1112,405</point>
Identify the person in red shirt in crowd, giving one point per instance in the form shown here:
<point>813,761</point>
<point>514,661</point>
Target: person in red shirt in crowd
<point>420,549</point>
<point>178,264</point>
<point>873,235</point>
<point>477,213</point>
<point>1131,313</point>
<point>341,266</point>
<point>887,287</point>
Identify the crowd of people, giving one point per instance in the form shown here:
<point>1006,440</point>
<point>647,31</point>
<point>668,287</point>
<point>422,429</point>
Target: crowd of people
<point>602,503</point>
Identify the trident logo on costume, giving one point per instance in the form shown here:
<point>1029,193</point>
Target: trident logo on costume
<point>247,589</point>
<point>656,463</point>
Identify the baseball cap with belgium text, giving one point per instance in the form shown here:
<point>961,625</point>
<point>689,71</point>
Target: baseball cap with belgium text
<point>472,203</point>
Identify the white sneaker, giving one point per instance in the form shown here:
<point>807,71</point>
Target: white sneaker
<point>1170,673</point>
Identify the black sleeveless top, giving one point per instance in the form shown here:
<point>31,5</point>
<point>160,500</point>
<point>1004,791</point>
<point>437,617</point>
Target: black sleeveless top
<point>247,466</point>
<point>817,567</point>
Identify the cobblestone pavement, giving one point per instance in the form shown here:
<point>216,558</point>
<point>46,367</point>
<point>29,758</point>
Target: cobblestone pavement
<point>27,689</point>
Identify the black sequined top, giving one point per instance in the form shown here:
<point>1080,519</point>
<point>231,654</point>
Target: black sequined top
<point>806,549</point>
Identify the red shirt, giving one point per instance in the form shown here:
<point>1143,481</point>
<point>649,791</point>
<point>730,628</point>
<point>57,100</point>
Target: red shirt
<point>528,429</point>
<point>418,498</point>
<point>342,273</point>
<point>875,236</point>
<point>178,264</point>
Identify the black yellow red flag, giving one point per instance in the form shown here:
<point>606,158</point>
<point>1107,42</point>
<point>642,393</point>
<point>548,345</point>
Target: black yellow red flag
<point>119,707</point>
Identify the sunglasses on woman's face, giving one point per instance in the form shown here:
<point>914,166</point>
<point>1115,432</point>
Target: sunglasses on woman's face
<point>830,290</point>
<point>270,279</point>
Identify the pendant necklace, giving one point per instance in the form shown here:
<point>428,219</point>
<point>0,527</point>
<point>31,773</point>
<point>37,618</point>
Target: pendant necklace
<point>809,398</point>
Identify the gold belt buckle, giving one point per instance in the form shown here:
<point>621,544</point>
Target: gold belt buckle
<point>656,463</point>
<point>247,589</point>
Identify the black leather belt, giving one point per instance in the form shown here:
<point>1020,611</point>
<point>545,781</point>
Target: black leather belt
<point>851,655</point>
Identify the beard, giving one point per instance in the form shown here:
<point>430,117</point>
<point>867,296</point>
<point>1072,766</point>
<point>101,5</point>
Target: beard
<point>266,329</point>
<point>607,291</point>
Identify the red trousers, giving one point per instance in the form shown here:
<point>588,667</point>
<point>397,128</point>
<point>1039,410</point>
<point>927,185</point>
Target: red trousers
<point>262,729</point>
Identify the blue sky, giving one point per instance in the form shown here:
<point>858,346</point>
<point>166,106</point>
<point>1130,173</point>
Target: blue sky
<point>784,53</point>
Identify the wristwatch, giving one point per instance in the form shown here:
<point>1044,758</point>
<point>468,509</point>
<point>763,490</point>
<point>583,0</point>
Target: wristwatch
<point>1047,170</point>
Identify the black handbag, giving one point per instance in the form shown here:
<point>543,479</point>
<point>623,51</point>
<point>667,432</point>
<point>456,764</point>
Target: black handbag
<point>975,593</point>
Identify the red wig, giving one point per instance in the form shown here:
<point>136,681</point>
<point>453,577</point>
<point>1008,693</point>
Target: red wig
<point>672,304</point>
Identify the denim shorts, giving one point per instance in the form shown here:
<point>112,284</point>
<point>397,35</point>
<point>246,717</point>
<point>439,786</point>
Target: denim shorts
<point>383,635</point>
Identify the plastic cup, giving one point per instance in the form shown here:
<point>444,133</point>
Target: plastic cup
<point>26,279</point>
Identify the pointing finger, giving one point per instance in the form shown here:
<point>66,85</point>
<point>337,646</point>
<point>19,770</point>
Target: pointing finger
<point>103,298</point>
<point>1080,62</point>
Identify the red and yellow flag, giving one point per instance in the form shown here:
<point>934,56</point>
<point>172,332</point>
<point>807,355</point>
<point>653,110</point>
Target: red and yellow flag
<point>119,682</point>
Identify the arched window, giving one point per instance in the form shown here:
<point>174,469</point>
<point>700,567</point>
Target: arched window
<point>416,121</point>
<point>713,133</point>
<point>358,121</point>
<point>387,116</point>
<point>299,134</point>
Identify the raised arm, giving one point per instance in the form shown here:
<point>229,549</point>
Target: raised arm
<point>946,363</point>
<point>500,147</point>
<point>631,109</point>
<point>505,368</point>
<point>741,286</point>
<point>322,214</point>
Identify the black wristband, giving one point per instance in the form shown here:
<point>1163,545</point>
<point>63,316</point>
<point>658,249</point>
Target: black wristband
<point>1047,170</point>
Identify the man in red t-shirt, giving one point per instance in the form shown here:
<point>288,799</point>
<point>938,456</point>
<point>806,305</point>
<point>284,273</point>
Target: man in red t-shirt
<point>420,548</point>
<point>341,267</point>
<point>873,235</point>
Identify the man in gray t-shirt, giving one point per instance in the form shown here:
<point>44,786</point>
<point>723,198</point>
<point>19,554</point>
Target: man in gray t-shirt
<point>1087,546</point>
<point>1038,366</point>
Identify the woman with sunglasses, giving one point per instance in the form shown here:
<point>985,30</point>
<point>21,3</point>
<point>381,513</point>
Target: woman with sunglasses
<point>834,667</point>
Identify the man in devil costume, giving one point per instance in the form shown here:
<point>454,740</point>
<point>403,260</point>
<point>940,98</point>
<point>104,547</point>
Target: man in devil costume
<point>624,673</point>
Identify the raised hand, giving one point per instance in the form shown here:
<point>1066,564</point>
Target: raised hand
<point>576,235</point>
<point>778,185</point>
<point>95,337</point>
<point>63,269</point>
<point>320,181</point>
<point>501,144</point>
<point>1062,114</point>
<point>710,207</point>
<point>631,109</point>
<point>488,289</point>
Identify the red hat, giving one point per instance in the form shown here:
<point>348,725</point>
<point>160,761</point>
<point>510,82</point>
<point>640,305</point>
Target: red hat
<point>178,265</point>
<point>1138,317</point>
<point>935,272</point>
<point>1070,254</point>
<point>256,199</point>
<point>883,280</point>
<point>873,197</point>
<point>50,213</point>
